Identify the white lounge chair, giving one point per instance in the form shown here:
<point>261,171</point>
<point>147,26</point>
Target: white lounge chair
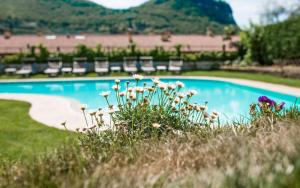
<point>175,65</point>
<point>10,70</point>
<point>101,65</point>
<point>54,66</point>
<point>25,70</point>
<point>130,64</point>
<point>147,64</point>
<point>78,66</point>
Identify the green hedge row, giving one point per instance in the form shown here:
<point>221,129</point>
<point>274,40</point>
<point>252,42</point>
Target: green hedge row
<point>41,54</point>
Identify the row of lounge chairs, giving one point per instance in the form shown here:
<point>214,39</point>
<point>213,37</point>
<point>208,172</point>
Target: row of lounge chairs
<point>101,66</point>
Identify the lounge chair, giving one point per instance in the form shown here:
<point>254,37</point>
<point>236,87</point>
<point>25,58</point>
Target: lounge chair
<point>66,69</point>
<point>130,64</point>
<point>10,70</point>
<point>54,66</point>
<point>175,65</point>
<point>26,68</point>
<point>79,66</point>
<point>147,64</point>
<point>101,65</point>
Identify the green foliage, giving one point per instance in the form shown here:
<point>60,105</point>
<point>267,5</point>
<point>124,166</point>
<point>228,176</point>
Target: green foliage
<point>75,16</point>
<point>40,53</point>
<point>264,44</point>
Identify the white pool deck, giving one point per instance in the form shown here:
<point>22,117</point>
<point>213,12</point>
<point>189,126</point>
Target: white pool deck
<point>53,110</point>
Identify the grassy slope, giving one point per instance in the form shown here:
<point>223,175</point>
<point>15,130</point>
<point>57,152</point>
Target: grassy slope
<point>23,138</point>
<point>225,74</point>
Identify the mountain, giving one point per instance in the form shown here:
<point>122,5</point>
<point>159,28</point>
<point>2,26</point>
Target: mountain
<point>77,16</point>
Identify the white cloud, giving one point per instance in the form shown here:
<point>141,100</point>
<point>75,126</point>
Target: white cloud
<point>119,4</point>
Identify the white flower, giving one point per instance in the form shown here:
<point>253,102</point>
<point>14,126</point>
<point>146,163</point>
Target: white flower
<point>156,81</point>
<point>215,113</point>
<point>181,95</point>
<point>116,87</point>
<point>138,77</point>
<point>171,86</point>
<point>162,85</point>
<point>129,89</point>
<point>100,113</point>
<point>117,81</point>
<point>206,115</point>
<point>132,96</point>
<point>180,84</point>
<point>122,94</point>
<point>92,113</point>
<point>139,89</point>
<point>83,107</point>
<point>202,108</point>
<point>156,125</point>
<point>193,92</point>
<point>105,93</point>
<point>111,111</point>
<point>176,100</point>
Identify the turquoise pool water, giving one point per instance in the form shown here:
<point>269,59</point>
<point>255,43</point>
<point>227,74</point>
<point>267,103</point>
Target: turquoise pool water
<point>231,100</point>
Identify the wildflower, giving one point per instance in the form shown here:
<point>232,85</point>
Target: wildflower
<point>180,84</point>
<point>150,89</point>
<point>192,92</point>
<point>111,111</point>
<point>129,90</point>
<point>156,81</point>
<point>139,89</point>
<point>105,94</point>
<point>116,87</point>
<point>280,107</point>
<point>215,113</point>
<point>77,129</point>
<point>101,113</point>
<point>156,125</point>
<point>162,85</point>
<point>264,99</point>
<point>122,94</point>
<point>214,116</point>
<point>171,86</point>
<point>83,107</point>
<point>117,81</point>
<point>132,96</point>
<point>206,115</point>
<point>93,113</point>
<point>176,100</point>
<point>64,124</point>
<point>202,108</point>
<point>138,77</point>
<point>181,95</point>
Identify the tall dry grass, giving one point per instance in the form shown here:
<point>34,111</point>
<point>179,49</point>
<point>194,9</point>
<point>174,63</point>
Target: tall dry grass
<point>253,156</point>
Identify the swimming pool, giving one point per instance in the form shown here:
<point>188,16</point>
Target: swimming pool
<point>230,100</point>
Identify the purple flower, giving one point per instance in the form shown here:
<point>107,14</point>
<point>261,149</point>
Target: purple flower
<point>264,99</point>
<point>281,105</point>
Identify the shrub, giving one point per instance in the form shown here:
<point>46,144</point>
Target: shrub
<point>155,108</point>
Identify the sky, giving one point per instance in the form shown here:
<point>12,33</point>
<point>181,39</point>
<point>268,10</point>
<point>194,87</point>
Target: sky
<point>243,10</point>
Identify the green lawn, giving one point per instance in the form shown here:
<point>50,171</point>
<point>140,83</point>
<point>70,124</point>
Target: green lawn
<point>22,138</point>
<point>226,74</point>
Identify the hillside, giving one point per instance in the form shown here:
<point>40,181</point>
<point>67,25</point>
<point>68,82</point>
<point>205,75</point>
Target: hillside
<point>75,16</point>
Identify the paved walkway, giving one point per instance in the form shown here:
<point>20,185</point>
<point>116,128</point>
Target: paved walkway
<point>53,110</point>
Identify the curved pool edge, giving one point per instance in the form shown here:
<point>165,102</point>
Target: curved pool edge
<point>51,110</point>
